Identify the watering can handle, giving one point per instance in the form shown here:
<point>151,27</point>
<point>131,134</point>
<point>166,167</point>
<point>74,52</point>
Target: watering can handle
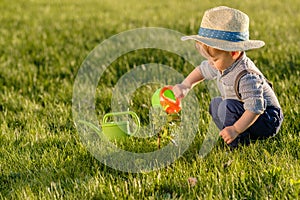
<point>133,114</point>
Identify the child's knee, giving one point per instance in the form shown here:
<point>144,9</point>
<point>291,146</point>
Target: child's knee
<point>230,111</point>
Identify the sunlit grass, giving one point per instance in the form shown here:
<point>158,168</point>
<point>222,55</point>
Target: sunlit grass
<point>42,45</point>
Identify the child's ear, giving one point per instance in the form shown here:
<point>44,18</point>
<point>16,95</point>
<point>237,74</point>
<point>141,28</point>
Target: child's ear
<point>235,54</point>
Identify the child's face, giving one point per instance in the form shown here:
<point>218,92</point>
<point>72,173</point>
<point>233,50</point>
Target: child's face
<point>219,59</point>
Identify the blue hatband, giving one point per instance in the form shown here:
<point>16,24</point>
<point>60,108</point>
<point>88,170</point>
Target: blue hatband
<point>224,35</point>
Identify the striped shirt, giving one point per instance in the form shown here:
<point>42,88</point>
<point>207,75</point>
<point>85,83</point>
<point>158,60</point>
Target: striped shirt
<point>256,93</point>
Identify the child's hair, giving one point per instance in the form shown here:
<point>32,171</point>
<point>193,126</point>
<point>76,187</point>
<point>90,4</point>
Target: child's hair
<point>206,48</point>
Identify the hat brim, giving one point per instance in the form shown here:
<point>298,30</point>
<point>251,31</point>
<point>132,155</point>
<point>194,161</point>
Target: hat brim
<point>226,45</point>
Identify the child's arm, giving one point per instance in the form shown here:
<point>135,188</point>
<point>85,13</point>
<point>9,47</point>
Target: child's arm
<point>180,90</point>
<point>229,133</point>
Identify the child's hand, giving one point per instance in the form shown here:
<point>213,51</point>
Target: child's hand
<point>180,90</point>
<point>228,134</point>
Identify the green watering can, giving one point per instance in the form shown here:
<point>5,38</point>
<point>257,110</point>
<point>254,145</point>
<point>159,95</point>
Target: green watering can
<point>120,129</point>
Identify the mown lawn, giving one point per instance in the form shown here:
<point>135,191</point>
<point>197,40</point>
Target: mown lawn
<point>42,46</point>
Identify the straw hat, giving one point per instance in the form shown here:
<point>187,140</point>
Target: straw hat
<point>226,29</point>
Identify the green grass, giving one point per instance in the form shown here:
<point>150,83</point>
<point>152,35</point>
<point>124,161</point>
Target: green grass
<point>42,45</point>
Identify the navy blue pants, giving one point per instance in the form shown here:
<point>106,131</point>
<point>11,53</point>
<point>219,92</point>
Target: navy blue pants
<point>227,112</point>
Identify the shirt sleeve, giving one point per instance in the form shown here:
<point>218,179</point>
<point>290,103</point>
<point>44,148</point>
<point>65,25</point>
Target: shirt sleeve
<point>207,70</point>
<point>251,90</point>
